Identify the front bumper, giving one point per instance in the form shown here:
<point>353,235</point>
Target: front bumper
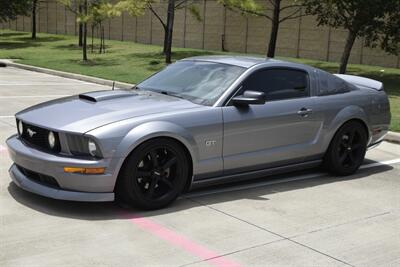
<point>71,186</point>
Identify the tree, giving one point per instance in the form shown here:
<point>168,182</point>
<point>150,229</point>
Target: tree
<point>34,9</point>
<point>10,9</point>
<point>361,18</point>
<point>95,11</point>
<point>99,14</point>
<point>80,26</point>
<point>292,9</point>
<point>168,22</point>
<point>170,27</point>
<point>83,19</point>
<point>76,7</point>
<point>101,10</point>
<point>390,38</point>
<point>33,18</point>
<point>81,9</point>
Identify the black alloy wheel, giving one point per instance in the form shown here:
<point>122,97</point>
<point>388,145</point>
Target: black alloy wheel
<point>347,149</point>
<point>350,149</point>
<point>154,174</point>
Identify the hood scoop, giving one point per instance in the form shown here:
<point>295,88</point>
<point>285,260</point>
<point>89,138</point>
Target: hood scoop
<point>98,96</point>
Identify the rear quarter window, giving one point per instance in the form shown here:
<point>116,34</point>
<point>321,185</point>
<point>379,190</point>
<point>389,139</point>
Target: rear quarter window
<point>331,85</point>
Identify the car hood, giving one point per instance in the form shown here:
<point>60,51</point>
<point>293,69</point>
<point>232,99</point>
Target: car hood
<point>82,113</point>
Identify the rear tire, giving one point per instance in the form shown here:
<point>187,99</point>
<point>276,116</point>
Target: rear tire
<point>153,175</point>
<point>347,149</point>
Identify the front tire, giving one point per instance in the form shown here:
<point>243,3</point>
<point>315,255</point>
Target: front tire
<point>153,175</point>
<point>347,150</point>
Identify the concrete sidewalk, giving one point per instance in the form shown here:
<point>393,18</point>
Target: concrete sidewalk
<point>85,78</point>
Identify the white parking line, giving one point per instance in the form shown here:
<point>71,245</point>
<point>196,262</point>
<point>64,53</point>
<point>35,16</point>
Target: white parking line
<point>32,96</point>
<point>376,164</point>
<point>281,181</point>
<point>6,116</point>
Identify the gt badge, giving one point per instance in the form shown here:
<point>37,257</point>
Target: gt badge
<point>210,143</point>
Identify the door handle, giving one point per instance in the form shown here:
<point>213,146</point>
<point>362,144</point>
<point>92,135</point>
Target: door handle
<point>304,112</point>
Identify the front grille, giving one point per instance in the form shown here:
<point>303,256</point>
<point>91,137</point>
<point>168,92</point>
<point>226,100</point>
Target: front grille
<point>38,137</point>
<point>39,178</point>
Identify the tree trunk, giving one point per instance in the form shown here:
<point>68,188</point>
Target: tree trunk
<point>274,29</point>
<point>80,41</point>
<point>104,41</point>
<point>84,48</point>
<point>101,38</point>
<point>351,38</point>
<point>92,48</point>
<point>165,39</point>
<point>34,5</point>
<point>170,27</point>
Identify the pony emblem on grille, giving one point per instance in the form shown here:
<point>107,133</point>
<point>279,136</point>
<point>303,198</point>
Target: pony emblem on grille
<point>31,132</point>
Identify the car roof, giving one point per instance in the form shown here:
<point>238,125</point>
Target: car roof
<point>241,61</point>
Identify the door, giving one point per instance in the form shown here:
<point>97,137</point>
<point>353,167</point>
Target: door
<point>279,132</point>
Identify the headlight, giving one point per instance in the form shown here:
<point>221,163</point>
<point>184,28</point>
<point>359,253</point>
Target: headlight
<point>80,145</point>
<point>20,128</point>
<point>92,148</point>
<point>52,140</point>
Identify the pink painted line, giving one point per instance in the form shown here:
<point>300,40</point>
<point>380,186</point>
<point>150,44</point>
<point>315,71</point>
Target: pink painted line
<point>182,242</point>
<point>3,149</point>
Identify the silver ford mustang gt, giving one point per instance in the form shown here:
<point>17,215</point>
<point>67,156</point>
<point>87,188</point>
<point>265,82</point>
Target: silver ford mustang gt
<point>198,122</point>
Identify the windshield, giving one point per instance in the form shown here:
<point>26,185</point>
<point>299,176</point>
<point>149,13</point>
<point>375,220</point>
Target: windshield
<point>198,81</point>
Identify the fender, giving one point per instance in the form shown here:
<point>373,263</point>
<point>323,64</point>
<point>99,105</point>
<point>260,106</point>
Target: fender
<point>149,130</point>
<point>344,115</point>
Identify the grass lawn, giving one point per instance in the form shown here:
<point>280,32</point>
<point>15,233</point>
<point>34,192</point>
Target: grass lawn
<point>132,62</point>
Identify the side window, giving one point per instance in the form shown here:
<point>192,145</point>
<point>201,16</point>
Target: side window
<point>331,85</point>
<point>278,84</point>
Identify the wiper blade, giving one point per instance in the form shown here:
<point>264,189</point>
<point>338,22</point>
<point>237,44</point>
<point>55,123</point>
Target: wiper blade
<point>162,92</point>
<point>171,94</point>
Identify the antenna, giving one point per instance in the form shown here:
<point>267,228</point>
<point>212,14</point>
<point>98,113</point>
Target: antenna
<point>113,85</point>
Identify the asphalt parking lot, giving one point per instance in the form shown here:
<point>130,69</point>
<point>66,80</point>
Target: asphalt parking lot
<point>299,219</point>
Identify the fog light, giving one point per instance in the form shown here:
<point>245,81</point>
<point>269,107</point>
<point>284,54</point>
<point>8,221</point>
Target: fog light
<point>52,140</point>
<point>20,127</point>
<point>84,170</point>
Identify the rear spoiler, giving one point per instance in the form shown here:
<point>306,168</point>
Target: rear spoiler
<point>361,82</point>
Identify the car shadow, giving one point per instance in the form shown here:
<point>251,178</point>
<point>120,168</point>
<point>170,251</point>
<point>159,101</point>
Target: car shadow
<point>203,197</point>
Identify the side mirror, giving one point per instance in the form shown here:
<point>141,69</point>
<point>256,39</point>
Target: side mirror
<point>249,98</point>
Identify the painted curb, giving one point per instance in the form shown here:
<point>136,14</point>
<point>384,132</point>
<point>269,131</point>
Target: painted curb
<point>120,85</point>
<point>393,137</point>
